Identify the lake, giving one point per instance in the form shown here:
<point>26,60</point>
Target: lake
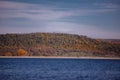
<point>59,69</point>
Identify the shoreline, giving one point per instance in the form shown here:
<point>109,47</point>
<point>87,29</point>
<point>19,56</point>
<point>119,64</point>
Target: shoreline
<point>61,57</point>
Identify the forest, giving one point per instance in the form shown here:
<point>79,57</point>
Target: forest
<point>57,44</point>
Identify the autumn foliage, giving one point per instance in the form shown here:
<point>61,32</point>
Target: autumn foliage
<point>56,44</point>
<point>8,54</point>
<point>21,52</point>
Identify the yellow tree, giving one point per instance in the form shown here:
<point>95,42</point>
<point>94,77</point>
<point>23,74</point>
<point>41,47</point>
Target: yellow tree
<point>21,52</point>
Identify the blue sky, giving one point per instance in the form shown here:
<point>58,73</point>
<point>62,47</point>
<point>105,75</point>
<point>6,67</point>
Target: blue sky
<point>93,18</point>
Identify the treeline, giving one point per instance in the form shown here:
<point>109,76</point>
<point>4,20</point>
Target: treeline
<point>55,44</point>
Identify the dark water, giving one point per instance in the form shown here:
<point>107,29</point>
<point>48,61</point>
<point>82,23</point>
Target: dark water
<point>59,69</point>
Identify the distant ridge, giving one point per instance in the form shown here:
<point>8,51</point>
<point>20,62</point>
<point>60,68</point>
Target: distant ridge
<point>57,44</point>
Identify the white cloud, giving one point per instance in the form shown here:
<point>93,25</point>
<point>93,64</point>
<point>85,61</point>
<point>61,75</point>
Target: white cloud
<point>64,27</point>
<point>46,19</point>
<point>42,12</point>
<point>107,5</point>
<point>15,5</point>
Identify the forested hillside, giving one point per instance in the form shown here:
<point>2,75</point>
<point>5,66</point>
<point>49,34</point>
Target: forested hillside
<point>56,44</point>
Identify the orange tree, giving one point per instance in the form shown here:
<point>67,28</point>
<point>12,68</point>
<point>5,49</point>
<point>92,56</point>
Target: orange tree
<point>21,52</point>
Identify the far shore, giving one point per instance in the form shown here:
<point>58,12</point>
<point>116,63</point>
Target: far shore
<point>64,57</point>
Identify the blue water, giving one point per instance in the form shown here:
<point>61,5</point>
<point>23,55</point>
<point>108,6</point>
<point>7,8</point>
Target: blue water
<point>58,69</point>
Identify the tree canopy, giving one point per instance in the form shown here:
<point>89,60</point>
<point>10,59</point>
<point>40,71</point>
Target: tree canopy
<point>50,44</point>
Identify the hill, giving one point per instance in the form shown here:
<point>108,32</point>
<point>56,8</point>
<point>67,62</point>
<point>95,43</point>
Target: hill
<point>56,44</point>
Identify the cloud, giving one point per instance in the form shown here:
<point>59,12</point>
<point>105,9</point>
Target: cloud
<point>81,29</point>
<point>107,5</point>
<point>65,27</point>
<point>15,5</point>
<point>45,18</point>
<point>42,12</point>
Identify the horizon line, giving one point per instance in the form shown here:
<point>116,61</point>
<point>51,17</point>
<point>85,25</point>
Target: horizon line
<point>58,33</point>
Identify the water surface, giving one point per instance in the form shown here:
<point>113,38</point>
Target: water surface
<point>58,69</point>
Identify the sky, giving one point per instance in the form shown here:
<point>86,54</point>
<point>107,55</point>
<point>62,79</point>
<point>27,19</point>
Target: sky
<point>92,18</point>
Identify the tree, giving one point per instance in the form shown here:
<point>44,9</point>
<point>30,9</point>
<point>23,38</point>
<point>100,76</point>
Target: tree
<point>8,54</point>
<point>21,52</point>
